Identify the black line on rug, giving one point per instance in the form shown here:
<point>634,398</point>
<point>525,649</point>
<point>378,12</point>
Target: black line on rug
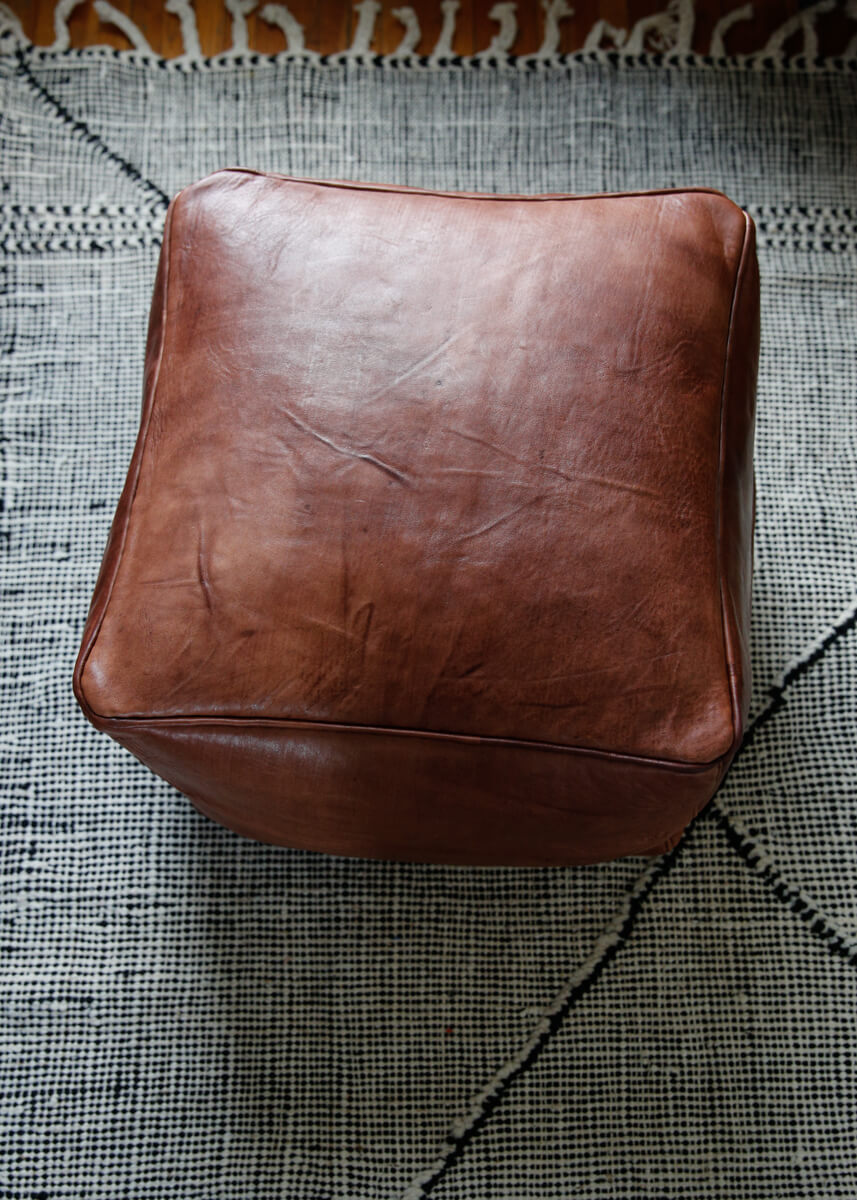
<point>821,926</point>
<point>83,130</point>
<point>459,1144</point>
<point>837,942</point>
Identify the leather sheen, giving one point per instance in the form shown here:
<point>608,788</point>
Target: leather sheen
<point>436,542</point>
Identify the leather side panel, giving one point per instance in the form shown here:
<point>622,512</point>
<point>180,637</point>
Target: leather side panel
<point>116,537</point>
<point>380,795</point>
<point>737,506</point>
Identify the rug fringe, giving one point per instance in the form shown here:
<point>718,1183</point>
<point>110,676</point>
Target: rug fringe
<point>62,12</point>
<point>280,17</point>
<point>108,15</point>
<point>717,48</point>
<point>663,38</point>
<point>183,9</point>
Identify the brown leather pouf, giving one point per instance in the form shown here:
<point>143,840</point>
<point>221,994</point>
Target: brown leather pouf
<point>436,541</point>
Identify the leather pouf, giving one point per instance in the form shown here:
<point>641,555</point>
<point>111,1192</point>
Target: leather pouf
<point>436,541</point>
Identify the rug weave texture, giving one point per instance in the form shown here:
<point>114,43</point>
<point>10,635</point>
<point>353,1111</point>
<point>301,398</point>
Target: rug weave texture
<point>187,1014</point>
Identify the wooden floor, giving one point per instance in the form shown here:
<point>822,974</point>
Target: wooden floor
<point>329,25</point>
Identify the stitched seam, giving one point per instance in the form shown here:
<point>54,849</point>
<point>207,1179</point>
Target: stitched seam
<point>776,692</point>
<point>725,623</point>
<point>114,723</point>
<point>407,189</point>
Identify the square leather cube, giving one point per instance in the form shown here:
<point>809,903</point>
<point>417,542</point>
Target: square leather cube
<point>436,541</point>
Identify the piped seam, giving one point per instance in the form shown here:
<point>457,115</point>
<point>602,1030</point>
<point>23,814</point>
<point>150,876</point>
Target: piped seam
<point>728,640</point>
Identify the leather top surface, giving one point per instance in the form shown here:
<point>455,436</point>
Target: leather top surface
<point>434,462</point>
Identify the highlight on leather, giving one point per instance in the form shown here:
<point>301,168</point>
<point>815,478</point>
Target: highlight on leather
<point>436,539</point>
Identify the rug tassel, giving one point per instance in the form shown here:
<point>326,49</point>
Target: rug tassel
<point>62,12</point>
<point>555,11</point>
<point>803,21</point>
<point>368,10</point>
<point>851,11</point>
<point>717,48</point>
<point>183,9</point>
<point>602,29</point>
<point>280,17</point>
<point>501,43</point>
<point>443,45</point>
<point>408,45</point>
<point>671,31</point>
<point>109,15</point>
<point>239,10</point>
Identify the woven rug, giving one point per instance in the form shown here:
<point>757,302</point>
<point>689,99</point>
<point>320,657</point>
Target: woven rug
<point>187,1014</point>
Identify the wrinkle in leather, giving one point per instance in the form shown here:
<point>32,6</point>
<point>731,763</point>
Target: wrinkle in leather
<point>440,464</point>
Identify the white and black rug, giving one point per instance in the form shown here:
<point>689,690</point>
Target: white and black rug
<point>190,1015</point>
